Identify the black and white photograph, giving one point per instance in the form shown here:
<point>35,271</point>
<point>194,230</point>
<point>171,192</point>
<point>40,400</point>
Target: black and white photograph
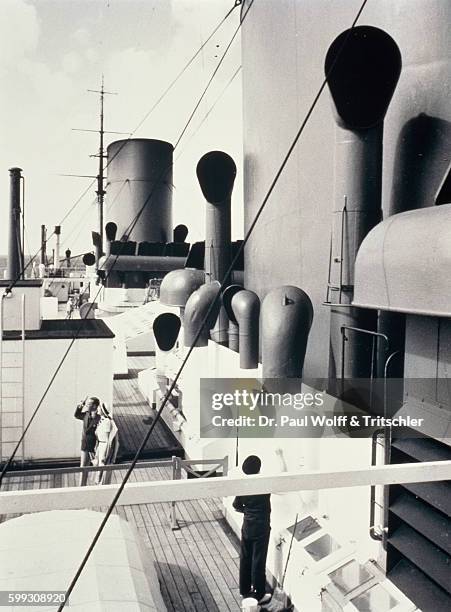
<point>225,306</point>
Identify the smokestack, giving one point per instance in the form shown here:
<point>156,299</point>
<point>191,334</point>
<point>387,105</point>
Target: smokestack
<point>43,245</point>
<point>140,187</point>
<point>286,315</point>
<point>56,256</point>
<point>363,66</point>
<point>216,172</point>
<point>13,266</point>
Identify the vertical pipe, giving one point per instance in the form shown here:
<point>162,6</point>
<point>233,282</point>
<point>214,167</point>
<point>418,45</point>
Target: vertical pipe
<point>362,67</point>
<point>13,270</point>
<point>358,182</point>
<point>216,172</point>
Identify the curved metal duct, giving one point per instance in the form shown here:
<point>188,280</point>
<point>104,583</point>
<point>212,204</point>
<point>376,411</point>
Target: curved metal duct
<point>216,172</point>
<point>177,286</point>
<point>243,309</point>
<point>246,307</point>
<point>196,310</point>
<point>286,319</point>
<point>363,67</point>
<point>233,324</point>
<point>166,328</point>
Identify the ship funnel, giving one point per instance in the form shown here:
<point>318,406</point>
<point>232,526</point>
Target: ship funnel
<point>110,233</point>
<point>196,310</point>
<point>216,172</point>
<point>13,266</point>
<point>243,309</point>
<point>140,189</point>
<point>166,328</point>
<point>363,67</point>
<point>286,318</point>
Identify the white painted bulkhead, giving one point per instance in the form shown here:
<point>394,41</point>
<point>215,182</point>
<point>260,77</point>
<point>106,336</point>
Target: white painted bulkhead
<point>54,433</point>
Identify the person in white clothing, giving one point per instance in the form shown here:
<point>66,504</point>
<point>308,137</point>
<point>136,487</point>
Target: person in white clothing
<point>107,443</point>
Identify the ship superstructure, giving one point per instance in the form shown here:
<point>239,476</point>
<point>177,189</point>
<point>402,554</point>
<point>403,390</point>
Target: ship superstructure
<point>337,301</point>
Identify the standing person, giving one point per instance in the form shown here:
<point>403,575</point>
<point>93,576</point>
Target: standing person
<point>88,412</point>
<point>107,443</point>
<point>254,537</point>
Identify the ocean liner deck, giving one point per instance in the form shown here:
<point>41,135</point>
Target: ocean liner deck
<point>129,410</point>
<point>197,565</point>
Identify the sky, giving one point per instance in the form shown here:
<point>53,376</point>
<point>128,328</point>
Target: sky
<point>53,51</point>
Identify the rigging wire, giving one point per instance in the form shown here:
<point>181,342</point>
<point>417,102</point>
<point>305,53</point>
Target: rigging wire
<point>210,309</point>
<point>116,256</point>
<point>154,106</point>
<point>208,113</point>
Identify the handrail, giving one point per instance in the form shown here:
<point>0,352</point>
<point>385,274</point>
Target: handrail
<point>38,500</point>
<point>88,468</point>
<point>109,468</point>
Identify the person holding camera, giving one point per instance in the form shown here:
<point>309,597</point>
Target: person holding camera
<point>88,412</point>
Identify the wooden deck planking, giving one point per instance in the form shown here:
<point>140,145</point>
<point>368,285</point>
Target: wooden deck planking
<point>130,408</point>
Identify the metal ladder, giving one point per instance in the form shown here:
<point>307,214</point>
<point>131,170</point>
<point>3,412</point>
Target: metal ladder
<point>12,389</point>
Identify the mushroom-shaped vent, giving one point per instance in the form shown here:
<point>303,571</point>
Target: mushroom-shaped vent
<point>178,285</point>
<point>180,233</point>
<point>96,239</point>
<point>111,231</point>
<point>89,259</point>
<point>363,67</point>
<point>166,328</point>
<point>216,172</point>
<point>286,318</point>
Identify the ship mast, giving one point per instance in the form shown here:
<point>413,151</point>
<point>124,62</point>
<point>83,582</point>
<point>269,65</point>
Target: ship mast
<point>100,191</point>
